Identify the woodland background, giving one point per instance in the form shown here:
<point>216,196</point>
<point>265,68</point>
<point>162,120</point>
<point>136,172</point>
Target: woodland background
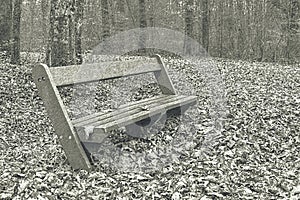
<point>266,30</point>
<point>254,156</point>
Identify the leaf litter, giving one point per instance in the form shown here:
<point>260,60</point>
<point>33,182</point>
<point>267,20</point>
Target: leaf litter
<point>255,156</point>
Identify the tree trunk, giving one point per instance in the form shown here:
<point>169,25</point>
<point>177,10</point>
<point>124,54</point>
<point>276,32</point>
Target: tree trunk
<point>189,15</point>
<point>260,29</point>
<point>5,24</point>
<point>65,33</point>
<point>45,22</point>
<point>293,18</point>
<point>78,30</point>
<point>205,25</point>
<point>131,13</point>
<point>71,49</point>
<point>143,24</point>
<point>240,30</point>
<point>220,28</point>
<point>120,16</point>
<point>248,34</point>
<point>15,35</point>
<point>58,34</point>
<point>105,19</point>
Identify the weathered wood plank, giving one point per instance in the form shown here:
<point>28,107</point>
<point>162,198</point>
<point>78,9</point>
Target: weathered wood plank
<point>125,112</point>
<point>128,113</point>
<point>85,128</point>
<point>68,75</point>
<point>87,131</point>
<point>91,116</point>
<point>162,77</point>
<point>137,106</point>
<point>144,114</point>
<point>59,117</point>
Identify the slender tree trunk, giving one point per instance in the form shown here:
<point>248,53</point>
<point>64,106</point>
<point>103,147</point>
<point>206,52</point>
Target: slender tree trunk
<point>240,30</point>
<point>131,13</point>
<point>15,45</point>
<point>120,15</point>
<point>45,22</point>
<point>248,35</point>
<point>105,19</point>
<point>205,25</point>
<point>152,14</point>
<point>293,18</point>
<point>143,23</point>
<point>71,59</point>
<point>142,12</point>
<point>189,6</point>
<point>78,30</point>
<point>260,30</point>
<point>5,24</point>
<point>199,22</point>
<point>30,42</point>
<point>220,27</point>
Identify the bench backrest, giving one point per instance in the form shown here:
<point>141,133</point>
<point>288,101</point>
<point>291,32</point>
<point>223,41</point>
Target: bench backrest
<point>48,79</point>
<point>74,74</point>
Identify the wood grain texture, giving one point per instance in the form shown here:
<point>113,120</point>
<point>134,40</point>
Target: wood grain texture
<point>156,109</point>
<point>74,74</point>
<point>126,108</point>
<point>59,117</point>
<point>92,129</point>
<point>162,77</point>
<point>96,127</point>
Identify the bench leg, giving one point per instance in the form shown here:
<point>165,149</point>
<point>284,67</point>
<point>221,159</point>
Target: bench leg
<point>135,130</point>
<point>139,128</point>
<point>177,111</point>
<point>91,147</point>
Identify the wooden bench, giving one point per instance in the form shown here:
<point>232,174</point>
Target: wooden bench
<point>77,136</point>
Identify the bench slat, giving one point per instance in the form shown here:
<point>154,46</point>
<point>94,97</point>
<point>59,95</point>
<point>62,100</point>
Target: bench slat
<point>81,119</point>
<point>88,132</point>
<point>95,118</point>
<point>68,75</point>
<point>104,128</point>
<point>127,113</point>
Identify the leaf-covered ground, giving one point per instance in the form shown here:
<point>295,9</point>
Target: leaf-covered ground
<point>256,155</point>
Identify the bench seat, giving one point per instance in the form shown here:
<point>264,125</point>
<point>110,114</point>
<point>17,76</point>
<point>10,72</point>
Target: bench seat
<point>95,127</point>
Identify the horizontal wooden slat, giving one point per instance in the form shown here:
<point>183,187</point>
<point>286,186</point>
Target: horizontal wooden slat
<point>127,113</point>
<point>68,75</point>
<point>144,114</point>
<point>85,118</point>
<point>137,106</point>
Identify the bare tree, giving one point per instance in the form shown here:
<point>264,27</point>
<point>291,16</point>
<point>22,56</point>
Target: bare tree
<point>65,32</point>
<point>44,22</point>
<point>205,24</point>
<point>57,49</point>
<point>220,27</point>
<point>5,23</point>
<point>105,19</point>
<point>78,29</point>
<point>189,21</point>
<point>15,32</point>
<point>143,23</point>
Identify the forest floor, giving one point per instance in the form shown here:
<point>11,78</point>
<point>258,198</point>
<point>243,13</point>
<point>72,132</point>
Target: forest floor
<point>254,155</point>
